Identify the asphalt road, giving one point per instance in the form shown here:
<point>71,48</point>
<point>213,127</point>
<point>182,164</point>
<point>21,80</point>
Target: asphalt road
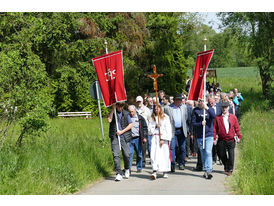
<point>182,182</point>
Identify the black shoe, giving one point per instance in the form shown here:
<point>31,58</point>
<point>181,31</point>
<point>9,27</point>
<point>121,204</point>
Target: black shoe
<point>172,168</point>
<point>181,167</point>
<point>139,171</point>
<point>207,175</point>
<point>197,169</point>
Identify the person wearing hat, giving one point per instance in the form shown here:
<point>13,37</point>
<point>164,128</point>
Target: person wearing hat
<point>198,124</point>
<point>146,113</point>
<point>226,126</point>
<point>178,115</point>
<point>124,131</point>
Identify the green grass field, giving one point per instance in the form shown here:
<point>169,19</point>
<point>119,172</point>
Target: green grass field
<point>255,168</point>
<point>69,156</point>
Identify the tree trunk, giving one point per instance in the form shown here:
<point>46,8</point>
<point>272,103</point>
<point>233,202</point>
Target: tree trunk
<point>19,140</point>
<point>265,74</point>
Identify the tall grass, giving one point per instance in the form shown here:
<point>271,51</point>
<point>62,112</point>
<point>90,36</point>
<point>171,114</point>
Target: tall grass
<point>255,169</point>
<point>69,156</point>
<point>255,165</point>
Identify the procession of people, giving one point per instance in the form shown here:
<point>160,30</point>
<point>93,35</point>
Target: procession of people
<point>168,132</point>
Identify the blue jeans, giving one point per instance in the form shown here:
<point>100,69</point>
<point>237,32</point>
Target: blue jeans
<point>136,144</point>
<point>172,149</point>
<point>182,148</point>
<point>149,144</point>
<point>179,141</point>
<point>206,153</point>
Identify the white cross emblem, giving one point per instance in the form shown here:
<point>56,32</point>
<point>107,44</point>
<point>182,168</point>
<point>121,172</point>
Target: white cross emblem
<point>202,70</point>
<point>110,75</point>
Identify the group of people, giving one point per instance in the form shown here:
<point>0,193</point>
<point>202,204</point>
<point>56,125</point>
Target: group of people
<point>173,130</point>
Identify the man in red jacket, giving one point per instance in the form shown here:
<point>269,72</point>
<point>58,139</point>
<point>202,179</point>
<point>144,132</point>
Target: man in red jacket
<point>225,127</point>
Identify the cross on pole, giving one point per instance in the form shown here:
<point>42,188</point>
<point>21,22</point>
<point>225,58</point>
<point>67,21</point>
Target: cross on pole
<point>154,76</point>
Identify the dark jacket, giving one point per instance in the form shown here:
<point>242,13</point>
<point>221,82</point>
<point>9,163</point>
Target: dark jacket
<point>189,113</point>
<point>124,123</point>
<point>197,118</point>
<point>143,129</point>
<point>218,108</point>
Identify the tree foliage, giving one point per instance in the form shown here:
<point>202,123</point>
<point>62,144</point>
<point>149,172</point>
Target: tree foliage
<point>257,29</point>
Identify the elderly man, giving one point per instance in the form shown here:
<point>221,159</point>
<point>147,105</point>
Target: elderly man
<point>139,135</point>
<point>226,126</point>
<point>124,131</point>
<point>146,113</point>
<point>178,118</point>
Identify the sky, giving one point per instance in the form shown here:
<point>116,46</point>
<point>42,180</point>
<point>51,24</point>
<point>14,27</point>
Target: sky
<point>211,20</point>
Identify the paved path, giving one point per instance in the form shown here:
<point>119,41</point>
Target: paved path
<point>182,182</point>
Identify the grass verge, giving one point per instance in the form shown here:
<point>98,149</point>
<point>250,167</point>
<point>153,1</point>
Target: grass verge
<point>69,156</point>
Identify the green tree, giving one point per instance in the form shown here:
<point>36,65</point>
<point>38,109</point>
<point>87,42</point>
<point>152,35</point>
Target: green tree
<point>256,29</point>
<point>24,93</point>
<point>164,48</point>
<point>24,87</point>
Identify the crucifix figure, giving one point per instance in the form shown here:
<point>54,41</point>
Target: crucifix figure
<point>154,76</point>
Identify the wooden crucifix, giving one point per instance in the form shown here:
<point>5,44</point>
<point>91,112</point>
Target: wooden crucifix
<point>154,76</point>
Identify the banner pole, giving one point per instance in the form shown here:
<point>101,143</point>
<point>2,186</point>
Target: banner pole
<point>99,106</point>
<point>115,114</point>
<point>204,99</point>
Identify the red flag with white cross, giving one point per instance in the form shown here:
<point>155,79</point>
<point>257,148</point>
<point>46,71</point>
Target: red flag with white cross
<point>109,69</point>
<point>196,87</point>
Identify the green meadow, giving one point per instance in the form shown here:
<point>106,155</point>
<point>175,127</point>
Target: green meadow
<point>72,154</point>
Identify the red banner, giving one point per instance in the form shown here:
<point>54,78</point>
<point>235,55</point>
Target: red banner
<point>202,62</point>
<point>109,69</point>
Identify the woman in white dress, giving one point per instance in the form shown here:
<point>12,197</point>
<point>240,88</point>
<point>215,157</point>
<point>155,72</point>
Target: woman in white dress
<point>160,153</point>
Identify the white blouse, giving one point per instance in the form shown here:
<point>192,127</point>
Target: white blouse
<point>165,128</point>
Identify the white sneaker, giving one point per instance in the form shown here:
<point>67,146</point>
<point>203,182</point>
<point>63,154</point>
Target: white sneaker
<point>153,176</point>
<point>118,177</point>
<point>127,173</point>
<point>165,175</point>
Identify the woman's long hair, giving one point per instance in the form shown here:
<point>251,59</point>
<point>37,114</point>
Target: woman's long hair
<point>154,113</point>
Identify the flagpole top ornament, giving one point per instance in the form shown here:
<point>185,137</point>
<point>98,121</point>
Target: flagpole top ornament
<point>106,43</point>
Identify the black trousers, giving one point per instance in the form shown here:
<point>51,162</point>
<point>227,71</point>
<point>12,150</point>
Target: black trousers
<point>214,153</point>
<point>187,145</point>
<point>226,153</point>
<point>238,113</point>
